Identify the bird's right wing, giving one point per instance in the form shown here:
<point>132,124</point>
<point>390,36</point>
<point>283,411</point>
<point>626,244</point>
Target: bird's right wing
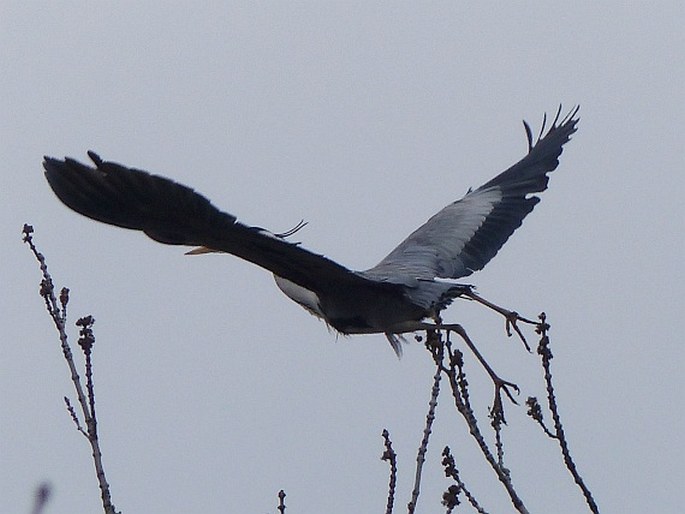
<point>465,235</point>
<point>172,213</point>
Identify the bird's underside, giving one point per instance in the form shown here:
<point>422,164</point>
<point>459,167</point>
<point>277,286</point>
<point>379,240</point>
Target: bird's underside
<point>397,295</point>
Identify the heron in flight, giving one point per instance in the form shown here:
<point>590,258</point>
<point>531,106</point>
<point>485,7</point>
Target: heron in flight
<point>414,283</point>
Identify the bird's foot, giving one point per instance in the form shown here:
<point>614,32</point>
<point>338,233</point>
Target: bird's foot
<point>501,385</point>
<point>511,317</point>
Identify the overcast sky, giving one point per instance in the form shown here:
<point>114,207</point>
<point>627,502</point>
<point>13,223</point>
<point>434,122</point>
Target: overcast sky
<point>214,390</point>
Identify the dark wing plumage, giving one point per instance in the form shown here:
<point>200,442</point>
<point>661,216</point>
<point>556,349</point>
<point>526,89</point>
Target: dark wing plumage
<point>172,213</point>
<point>465,235</point>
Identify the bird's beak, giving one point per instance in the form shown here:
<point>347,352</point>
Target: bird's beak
<point>200,250</point>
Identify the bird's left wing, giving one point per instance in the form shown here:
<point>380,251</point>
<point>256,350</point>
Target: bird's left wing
<point>465,235</point>
<point>172,213</point>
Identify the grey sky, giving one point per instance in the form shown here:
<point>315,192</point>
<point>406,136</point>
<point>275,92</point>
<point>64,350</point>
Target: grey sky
<point>214,391</point>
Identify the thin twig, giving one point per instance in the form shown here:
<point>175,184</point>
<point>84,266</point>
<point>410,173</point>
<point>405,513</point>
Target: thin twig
<point>546,355</point>
<point>457,360</point>
<point>451,496</point>
<point>43,492</point>
<point>390,455</point>
<point>430,417</point>
<point>497,419</point>
<point>469,416</point>
<point>74,417</point>
<point>86,341</point>
<point>57,311</point>
<point>535,412</point>
<point>281,501</point>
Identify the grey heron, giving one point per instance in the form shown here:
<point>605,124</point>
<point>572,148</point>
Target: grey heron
<point>414,283</point>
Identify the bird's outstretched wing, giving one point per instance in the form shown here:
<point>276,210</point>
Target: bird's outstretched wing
<point>465,235</point>
<point>172,213</point>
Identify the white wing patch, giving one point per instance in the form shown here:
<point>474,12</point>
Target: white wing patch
<point>306,298</point>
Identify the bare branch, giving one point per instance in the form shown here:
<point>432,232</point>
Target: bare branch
<point>281,501</point>
<point>43,492</point>
<point>74,417</point>
<point>57,311</point>
<point>496,421</point>
<point>450,498</point>
<point>546,355</point>
<point>456,377</point>
<point>86,341</point>
<point>535,412</point>
<point>390,455</point>
<point>430,417</point>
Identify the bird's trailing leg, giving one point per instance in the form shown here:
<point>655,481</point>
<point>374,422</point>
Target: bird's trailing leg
<point>511,317</point>
<point>500,384</point>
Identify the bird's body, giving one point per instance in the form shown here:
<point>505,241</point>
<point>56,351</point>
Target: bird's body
<point>393,297</point>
